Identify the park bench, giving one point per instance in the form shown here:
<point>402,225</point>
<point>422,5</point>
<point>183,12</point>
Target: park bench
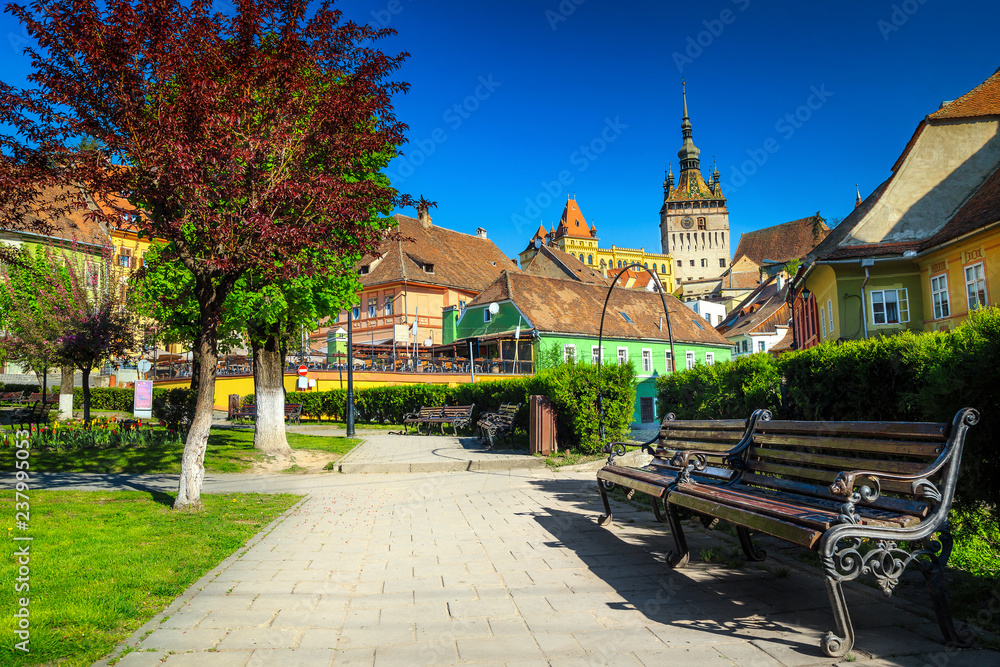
<point>50,398</point>
<point>12,397</point>
<point>459,416</point>
<point>35,413</point>
<point>422,416</point>
<point>293,412</point>
<point>868,497</point>
<point>497,424</point>
<point>244,412</point>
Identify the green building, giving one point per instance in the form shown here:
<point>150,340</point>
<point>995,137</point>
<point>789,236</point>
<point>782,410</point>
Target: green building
<point>538,317</point>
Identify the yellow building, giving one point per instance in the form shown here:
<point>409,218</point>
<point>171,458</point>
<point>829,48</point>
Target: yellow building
<point>574,235</point>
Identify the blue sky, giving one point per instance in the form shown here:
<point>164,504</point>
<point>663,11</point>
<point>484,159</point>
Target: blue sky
<point>507,97</point>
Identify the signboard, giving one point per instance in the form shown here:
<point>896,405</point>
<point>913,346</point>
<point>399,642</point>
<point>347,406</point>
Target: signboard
<point>303,371</point>
<point>143,401</point>
<point>303,383</point>
<point>143,366</point>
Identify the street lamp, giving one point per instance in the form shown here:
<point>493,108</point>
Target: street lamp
<point>349,416</point>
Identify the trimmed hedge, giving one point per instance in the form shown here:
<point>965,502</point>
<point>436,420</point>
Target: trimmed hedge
<point>572,389</point>
<point>905,377</point>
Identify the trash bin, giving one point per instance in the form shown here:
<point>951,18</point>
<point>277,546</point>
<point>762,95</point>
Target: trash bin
<point>541,426</point>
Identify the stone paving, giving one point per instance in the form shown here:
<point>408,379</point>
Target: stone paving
<point>501,568</point>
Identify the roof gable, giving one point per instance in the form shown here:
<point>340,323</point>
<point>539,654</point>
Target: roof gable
<point>983,100</point>
<point>784,242</point>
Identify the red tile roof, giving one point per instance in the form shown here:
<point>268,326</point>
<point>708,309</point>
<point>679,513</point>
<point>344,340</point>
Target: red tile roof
<point>784,242</point>
<point>552,262</point>
<point>983,100</point>
<point>55,208</point>
<point>572,222</point>
<point>873,250</point>
<point>461,261</point>
<point>572,307</point>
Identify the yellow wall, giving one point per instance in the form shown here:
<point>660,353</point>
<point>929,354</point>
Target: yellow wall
<point>328,381</point>
<point>822,282</point>
<point>588,246</point>
<point>952,261</point>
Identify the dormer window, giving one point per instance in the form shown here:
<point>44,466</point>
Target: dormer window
<point>364,269</point>
<point>627,318</point>
<point>428,268</point>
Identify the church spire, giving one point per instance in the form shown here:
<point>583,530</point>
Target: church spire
<point>689,152</point>
<point>859,200</point>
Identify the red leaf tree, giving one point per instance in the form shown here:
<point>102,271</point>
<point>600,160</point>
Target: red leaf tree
<point>245,140</point>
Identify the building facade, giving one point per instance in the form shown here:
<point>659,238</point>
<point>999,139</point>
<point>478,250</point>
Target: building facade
<point>694,218</point>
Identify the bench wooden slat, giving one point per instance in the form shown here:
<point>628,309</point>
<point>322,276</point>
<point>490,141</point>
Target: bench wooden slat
<point>905,430</point>
<point>705,424</point>
<point>838,463</point>
<point>909,448</point>
<point>701,434</point>
<point>789,532</point>
<point>825,477</point>
<point>668,448</point>
<point>912,507</point>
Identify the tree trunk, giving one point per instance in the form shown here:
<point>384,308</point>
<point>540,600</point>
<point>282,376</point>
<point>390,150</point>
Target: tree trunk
<point>269,387</point>
<point>86,395</point>
<point>210,297</point>
<point>66,388</point>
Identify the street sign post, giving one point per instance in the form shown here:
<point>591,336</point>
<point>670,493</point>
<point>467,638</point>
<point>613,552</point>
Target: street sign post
<point>303,371</point>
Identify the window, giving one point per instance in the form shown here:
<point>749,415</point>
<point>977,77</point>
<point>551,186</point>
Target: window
<point>680,262</point>
<point>663,268</point>
<point>364,269</point>
<point>356,312</point>
<point>822,322</point>
<point>722,263</point>
<point>746,345</point>
<point>569,354</point>
<point>372,307</point>
<point>623,355</point>
<point>704,263</point>
<point>689,357</point>
<point>975,285</point>
<point>939,296</point>
<point>145,262</point>
<point>670,361</point>
<point>692,262</point>
<point>829,314</point>
<point>890,306</point>
<point>594,353</point>
<point>646,410</point>
<point>590,260</point>
<point>428,268</point>
<point>487,315</point>
<point>710,358</point>
<point>647,361</point>
<point>461,307</point>
<point>760,346</point>
<point>124,257</point>
<point>627,318</point>
<point>702,225</point>
<point>388,305</point>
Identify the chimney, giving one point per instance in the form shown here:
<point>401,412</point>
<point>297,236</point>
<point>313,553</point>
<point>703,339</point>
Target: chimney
<point>481,233</point>
<point>423,215</point>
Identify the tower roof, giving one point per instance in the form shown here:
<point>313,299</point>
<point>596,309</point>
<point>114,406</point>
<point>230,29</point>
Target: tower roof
<point>574,222</point>
<point>689,152</point>
<point>690,184</point>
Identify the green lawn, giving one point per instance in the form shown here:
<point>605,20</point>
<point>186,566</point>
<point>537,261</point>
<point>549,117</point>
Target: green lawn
<point>103,563</point>
<point>228,451</point>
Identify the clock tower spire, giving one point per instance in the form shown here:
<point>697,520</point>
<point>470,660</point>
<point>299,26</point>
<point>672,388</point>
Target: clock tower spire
<point>694,219</point>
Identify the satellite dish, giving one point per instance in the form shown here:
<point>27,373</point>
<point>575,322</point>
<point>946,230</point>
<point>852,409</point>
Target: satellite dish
<point>494,308</point>
<point>538,244</point>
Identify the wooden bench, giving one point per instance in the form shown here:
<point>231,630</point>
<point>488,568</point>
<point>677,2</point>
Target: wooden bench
<point>36,413</point>
<point>246,411</point>
<point>726,439</point>
<point>499,423</point>
<point>416,419</point>
<point>868,497</point>
<point>50,398</point>
<point>293,413</point>
<point>12,397</point>
<point>459,416</point>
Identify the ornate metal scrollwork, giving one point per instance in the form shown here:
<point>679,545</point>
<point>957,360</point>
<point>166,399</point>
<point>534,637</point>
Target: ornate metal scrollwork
<point>865,493</point>
<point>885,562</point>
<point>924,488</point>
<point>688,461</point>
<point>615,449</point>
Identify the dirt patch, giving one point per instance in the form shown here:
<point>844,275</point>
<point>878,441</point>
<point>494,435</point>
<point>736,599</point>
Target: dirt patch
<point>308,460</point>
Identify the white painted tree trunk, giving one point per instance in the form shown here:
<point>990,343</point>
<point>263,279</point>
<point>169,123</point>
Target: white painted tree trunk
<point>66,392</point>
<point>268,377</point>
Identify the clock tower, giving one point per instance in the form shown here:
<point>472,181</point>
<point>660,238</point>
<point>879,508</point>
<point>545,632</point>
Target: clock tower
<point>694,219</point>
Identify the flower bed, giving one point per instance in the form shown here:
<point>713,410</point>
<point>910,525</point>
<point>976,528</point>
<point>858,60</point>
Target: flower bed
<point>99,433</point>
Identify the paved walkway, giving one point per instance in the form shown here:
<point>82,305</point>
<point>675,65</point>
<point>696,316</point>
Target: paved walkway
<point>500,568</point>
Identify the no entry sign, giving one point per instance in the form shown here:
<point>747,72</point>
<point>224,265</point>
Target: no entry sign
<point>303,371</point>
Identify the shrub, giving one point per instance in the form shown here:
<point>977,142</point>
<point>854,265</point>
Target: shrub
<point>174,407</point>
<point>106,398</point>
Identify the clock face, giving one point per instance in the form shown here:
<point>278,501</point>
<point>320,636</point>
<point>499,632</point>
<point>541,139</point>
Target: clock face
<point>687,222</point>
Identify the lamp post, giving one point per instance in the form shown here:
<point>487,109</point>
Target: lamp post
<point>349,416</point>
